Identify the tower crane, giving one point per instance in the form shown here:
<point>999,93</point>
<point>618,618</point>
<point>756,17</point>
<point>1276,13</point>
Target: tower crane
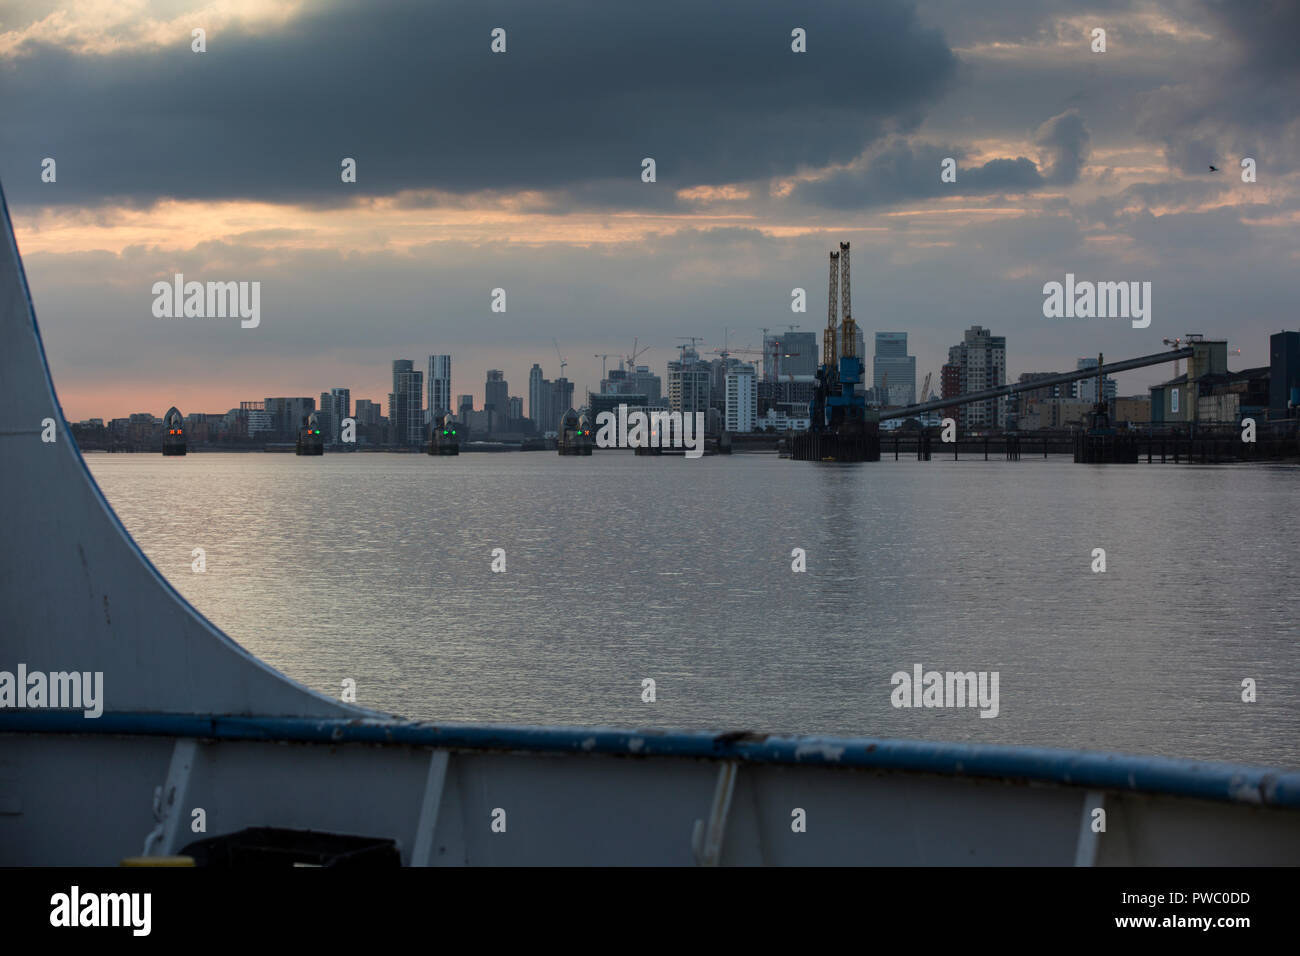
<point>563,363</point>
<point>635,353</point>
<point>688,338</point>
<point>604,357</point>
<point>925,389</point>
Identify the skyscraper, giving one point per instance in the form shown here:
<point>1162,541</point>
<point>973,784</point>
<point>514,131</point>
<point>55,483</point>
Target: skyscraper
<point>893,369</point>
<point>982,362</point>
<point>439,383</point>
<point>406,404</point>
<point>539,394</point>
<point>496,392</point>
<point>496,398</point>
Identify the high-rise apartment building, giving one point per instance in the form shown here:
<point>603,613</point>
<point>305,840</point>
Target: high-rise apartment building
<point>893,370</point>
<point>689,383</point>
<point>439,385</point>
<point>742,398</point>
<point>539,394</point>
<point>496,394</point>
<point>547,400</point>
<point>406,404</point>
<point>981,360</point>
<point>367,412</point>
<point>561,399</point>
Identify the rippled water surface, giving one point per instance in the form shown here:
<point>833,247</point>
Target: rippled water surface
<point>377,567</point>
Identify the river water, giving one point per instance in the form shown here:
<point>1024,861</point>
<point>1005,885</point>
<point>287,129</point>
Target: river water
<point>378,568</point>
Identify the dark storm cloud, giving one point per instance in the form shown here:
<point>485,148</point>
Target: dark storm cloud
<point>902,171</point>
<point>1010,20</point>
<point>1242,100</point>
<point>584,92</point>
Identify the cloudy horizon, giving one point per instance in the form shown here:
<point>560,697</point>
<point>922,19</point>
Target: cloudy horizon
<point>522,170</point>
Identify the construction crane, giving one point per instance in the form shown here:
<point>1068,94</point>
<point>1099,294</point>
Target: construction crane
<point>688,338</point>
<point>925,389</point>
<point>563,363</point>
<point>635,353</point>
<point>604,357</point>
<point>726,337</point>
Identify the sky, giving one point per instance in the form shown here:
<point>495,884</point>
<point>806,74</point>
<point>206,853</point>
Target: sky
<point>523,170</point>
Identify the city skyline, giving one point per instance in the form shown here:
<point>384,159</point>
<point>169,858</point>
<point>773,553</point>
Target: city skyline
<point>1106,179</point>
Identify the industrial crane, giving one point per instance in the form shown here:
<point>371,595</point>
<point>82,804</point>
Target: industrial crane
<point>841,428</point>
<point>563,363</point>
<point>604,357</point>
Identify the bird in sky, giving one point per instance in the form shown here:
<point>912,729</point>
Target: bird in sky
<point>1214,169</point>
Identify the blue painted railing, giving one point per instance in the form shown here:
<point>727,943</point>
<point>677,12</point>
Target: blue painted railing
<point>1093,770</point>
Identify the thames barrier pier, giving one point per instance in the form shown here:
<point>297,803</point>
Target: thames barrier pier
<point>443,439</point>
<point>575,435</point>
<point>173,440</point>
<point>310,441</point>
